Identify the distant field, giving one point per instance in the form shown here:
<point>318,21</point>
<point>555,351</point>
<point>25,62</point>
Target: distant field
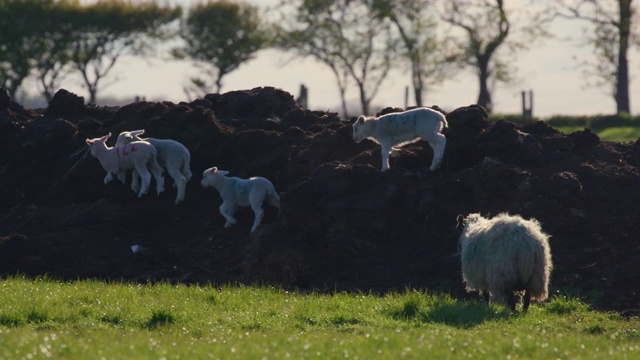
<point>621,128</point>
<point>44,319</point>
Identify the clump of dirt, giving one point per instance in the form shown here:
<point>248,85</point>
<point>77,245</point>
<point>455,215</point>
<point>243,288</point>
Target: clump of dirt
<point>343,225</point>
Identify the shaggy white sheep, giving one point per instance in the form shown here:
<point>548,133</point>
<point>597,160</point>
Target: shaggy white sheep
<point>503,255</point>
<point>138,155</point>
<point>397,129</point>
<point>241,192</point>
<point>172,155</point>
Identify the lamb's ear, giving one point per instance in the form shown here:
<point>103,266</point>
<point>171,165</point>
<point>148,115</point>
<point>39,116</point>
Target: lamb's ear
<point>460,220</point>
<point>106,136</point>
<point>137,132</point>
<point>361,119</point>
<point>214,169</point>
<point>89,141</point>
<point>223,172</point>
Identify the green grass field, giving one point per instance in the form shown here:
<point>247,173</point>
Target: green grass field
<point>620,128</point>
<point>46,319</point>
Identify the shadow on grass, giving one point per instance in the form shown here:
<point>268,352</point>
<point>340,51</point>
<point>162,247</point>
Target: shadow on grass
<point>462,314</point>
<point>159,318</point>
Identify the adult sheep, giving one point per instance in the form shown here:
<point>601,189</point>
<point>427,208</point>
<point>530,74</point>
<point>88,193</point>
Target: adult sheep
<point>172,155</point>
<point>504,255</point>
<point>237,192</point>
<point>397,129</point>
<point>140,156</point>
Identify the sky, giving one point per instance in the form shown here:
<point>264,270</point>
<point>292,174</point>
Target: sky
<point>549,70</point>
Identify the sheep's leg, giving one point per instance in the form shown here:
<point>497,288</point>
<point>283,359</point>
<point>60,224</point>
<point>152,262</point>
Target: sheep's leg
<point>256,206</point>
<point>227,210</point>
<point>152,167</point>
<point>486,296</point>
<point>497,295</point>
<point>146,180</point>
<point>186,171</point>
<point>122,176</point>
<point>384,152</point>
<point>438,145</point>
<point>274,201</point>
<point>526,301</point>
<point>135,181</point>
<point>157,174</point>
<point>511,300</point>
<point>180,183</point>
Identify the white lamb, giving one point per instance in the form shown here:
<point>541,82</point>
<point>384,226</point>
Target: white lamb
<point>397,129</point>
<point>241,192</point>
<point>172,155</point>
<point>138,155</point>
<point>504,255</point>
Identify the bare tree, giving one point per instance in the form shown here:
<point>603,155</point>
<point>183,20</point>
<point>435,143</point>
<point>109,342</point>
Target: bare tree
<point>613,31</point>
<point>490,39</point>
<point>347,36</point>
<point>432,59</point>
<point>110,29</point>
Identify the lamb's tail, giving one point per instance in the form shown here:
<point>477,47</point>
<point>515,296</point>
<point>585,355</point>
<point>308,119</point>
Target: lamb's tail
<point>273,198</point>
<point>186,171</point>
<point>443,120</point>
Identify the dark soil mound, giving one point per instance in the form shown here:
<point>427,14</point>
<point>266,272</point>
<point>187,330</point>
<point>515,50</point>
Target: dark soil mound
<point>343,225</point>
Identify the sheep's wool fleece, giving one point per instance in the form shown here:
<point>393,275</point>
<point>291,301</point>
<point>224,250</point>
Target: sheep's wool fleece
<point>505,253</point>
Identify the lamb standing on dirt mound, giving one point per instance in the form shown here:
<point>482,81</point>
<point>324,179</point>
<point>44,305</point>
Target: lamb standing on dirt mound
<point>397,129</point>
<point>172,155</point>
<point>241,192</point>
<point>503,255</point>
<point>140,156</point>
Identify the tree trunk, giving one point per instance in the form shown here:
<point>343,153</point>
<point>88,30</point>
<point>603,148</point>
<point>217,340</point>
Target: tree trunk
<point>93,90</point>
<point>418,81</point>
<point>622,77</point>
<point>484,96</point>
<point>364,102</point>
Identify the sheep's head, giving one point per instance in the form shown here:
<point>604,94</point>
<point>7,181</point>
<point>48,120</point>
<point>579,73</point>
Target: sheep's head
<point>469,219</point>
<point>97,141</point>
<point>212,176</point>
<point>358,129</point>
<point>126,137</point>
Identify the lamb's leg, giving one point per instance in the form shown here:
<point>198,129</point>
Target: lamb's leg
<point>122,176</point>
<point>157,174</point>
<point>157,171</point>
<point>146,180</point>
<point>135,181</point>
<point>438,145</point>
<point>180,182</point>
<point>185,169</point>
<point>108,178</point>
<point>274,200</point>
<point>256,206</point>
<point>384,152</point>
<point>227,210</point>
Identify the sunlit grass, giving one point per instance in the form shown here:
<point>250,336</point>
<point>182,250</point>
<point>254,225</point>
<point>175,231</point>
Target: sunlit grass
<point>620,134</point>
<point>87,319</point>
